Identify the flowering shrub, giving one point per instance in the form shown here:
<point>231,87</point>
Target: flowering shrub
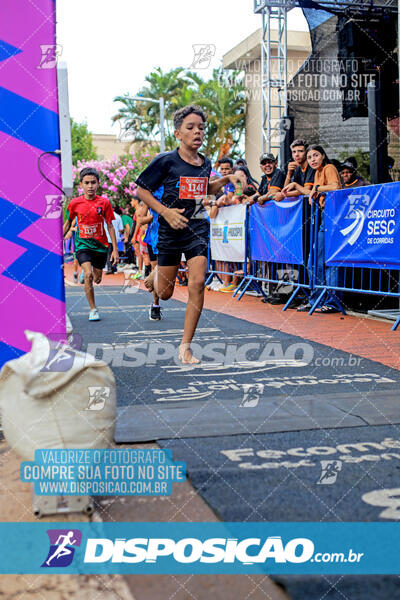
<point>117,176</point>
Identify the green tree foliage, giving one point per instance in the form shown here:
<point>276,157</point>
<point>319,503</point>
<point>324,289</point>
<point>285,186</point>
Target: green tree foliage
<point>82,143</point>
<point>223,97</point>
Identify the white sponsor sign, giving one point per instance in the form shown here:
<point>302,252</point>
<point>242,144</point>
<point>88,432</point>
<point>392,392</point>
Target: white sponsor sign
<point>228,234</point>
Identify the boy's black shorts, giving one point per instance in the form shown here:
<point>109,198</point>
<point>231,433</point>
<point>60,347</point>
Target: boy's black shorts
<point>97,259</point>
<point>152,256</point>
<point>173,258</point>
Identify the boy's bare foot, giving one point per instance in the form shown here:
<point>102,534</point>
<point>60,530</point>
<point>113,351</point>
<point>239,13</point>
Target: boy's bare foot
<point>149,281</point>
<point>185,355</point>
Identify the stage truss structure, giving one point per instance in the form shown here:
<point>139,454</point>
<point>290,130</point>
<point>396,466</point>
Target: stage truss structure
<point>274,95</point>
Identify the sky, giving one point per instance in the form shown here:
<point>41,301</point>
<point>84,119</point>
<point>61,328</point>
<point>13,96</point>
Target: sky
<point>111,45</point>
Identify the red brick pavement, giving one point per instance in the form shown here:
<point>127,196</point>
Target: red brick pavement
<point>369,338</point>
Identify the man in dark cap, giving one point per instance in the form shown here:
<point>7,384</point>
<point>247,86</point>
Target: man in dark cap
<point>350,177</point>
<point>272,181</point>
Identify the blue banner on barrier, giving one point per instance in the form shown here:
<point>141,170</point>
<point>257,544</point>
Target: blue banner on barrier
<point>276,232</point>
<point>193,548</point>
<point>363,227</point>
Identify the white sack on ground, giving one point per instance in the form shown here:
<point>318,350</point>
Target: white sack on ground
<point>56,397</point>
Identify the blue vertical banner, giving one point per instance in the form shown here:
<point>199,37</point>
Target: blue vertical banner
<point>276,232</point>
<point>363,227</point>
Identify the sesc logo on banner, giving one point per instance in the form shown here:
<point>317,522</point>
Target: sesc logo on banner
<point>363,229</point>
<point>358,206</point>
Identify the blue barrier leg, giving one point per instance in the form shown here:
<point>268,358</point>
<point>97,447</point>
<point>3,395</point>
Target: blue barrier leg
<point>257,287</point>
<point>239,287</point>
<point>395,326</point>
<point>292,297</point>
<point>209,278</point>
<point>318,302</point>
<point>337,304</point>
<point>244,289</point>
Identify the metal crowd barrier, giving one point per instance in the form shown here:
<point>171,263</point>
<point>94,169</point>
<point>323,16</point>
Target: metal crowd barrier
<point>377,281</point>
<point>279,273</point>
<point>256,274</point>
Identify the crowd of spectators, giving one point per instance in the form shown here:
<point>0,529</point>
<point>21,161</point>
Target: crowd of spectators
<point>309,174</point>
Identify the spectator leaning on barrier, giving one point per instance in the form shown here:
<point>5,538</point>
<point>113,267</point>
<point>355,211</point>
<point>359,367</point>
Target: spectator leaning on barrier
<point>272,181</point>
<point>240,162</point>
<point>299,171</point>
<point>350,177</point>
<point>250,189</point>
<point>326,180</point>
<point>225,166</point>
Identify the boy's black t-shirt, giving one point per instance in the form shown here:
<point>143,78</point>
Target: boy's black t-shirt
<point>272,184</point>
<point>304,178</point>
<point>166,169</point>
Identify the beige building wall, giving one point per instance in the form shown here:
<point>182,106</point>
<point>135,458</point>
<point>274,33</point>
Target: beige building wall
<point>246,57</point>
<point>107,146</point>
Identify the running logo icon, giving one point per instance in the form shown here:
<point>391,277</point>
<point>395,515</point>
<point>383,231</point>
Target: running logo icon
<point>330,471</point>
<point>203,54</point>
<point>53,206</point>
<point>62,547</point>
<point>97,397</point>
<point>60,358</point>
<point>358,207</point>
<point>50,53</point>
<point>251,395</point>
<point>131,286</point>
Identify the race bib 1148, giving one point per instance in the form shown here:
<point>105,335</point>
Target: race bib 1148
<point>192,188</point>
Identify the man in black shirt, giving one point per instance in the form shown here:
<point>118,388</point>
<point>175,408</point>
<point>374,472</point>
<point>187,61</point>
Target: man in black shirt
<point>183,221</point>
<point>299,170</point>
<point>272,181</point>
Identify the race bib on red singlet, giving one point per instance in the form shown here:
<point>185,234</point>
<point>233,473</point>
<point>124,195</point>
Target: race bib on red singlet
<point>94,230</point>
<point>192,188</point>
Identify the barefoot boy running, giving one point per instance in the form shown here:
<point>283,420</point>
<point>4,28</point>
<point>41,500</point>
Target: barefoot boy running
<point>184,226</point>
<point>91,244</point>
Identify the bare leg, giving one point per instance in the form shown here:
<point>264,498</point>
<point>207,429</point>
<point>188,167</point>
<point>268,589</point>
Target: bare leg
<point>226,279</point>
<point>197,272</point>
<point>139,257</point>
<point>89,291</point>
<point>156,299</point>
<point>97,275</point>
<point>164,281</point>
<point>150,279</point>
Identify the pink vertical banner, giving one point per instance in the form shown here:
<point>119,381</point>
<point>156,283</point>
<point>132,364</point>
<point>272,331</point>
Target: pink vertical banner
<point>31,276</point>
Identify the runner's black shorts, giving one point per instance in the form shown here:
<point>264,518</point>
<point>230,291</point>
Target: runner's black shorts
<point>152,256</point>
<point>173,258</point>
<point>97,259</point>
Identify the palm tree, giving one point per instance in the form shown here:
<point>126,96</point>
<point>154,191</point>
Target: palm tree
<point>131,117</point>
<point>223,99</point>
<point>225,103</point>
<point>143,118</point>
